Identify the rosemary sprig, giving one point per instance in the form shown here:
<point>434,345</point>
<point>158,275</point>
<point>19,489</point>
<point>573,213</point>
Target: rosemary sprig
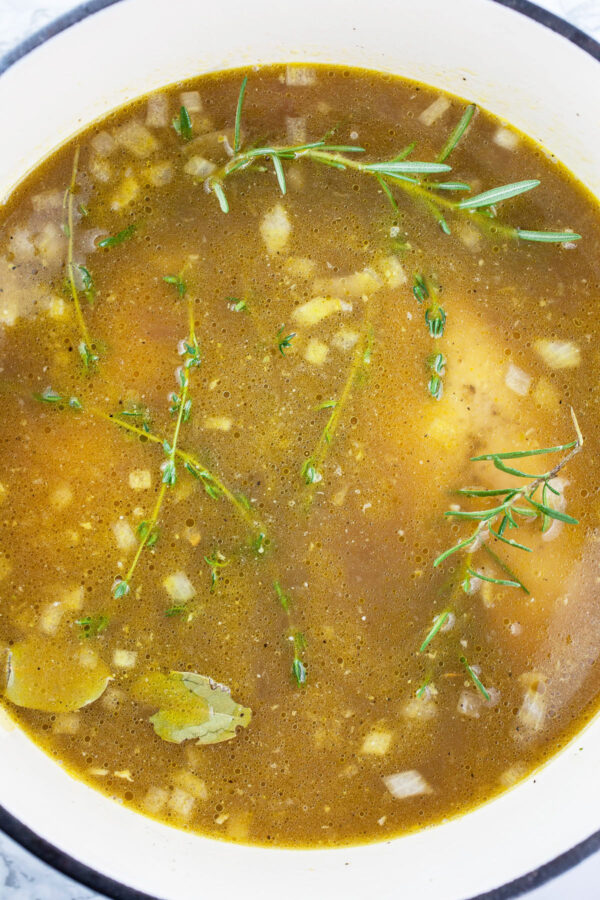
<point>436,365</point>
<point>182,124</point>
<point>311,470</point>
<point>507,512</point>
<point>92,626</point>
<point>456,136</point>
<point>397,172</point>
<point>438,623</point>
<point>296,638</point>
<point>88,357</point>
<point>474,678</point>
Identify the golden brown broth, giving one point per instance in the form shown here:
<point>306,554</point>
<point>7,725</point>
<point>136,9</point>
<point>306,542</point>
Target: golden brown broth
<point>354,552</point>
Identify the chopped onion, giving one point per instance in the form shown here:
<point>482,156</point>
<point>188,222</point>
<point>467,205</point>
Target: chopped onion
<point>51,617</point>
<point>22,245</point>
<point>434,111</point>
<point>217,423</point>
<point>88,658</point>
<point>181,803</point>
<point>376,743</point>
<point>295,127</point>
<point>103,143</point>
<point>359,284</point>
<point>506,138</point>
<point>127,192</point>
<point>275,229</point>
<point>469,704</point>
<point>47,201</point>
<point>157,111</point>
<point>140,479</point>
<point>517,380</point>
<point>299,266</point>
<point>300,76</point>
<point>66,723</point>
<point>124,535</point>
<point>532,712</point>
<point>124,659</point>
<point>199,167</point>
<point>136,139</point>
<point>51,245</point>
<point>316,352</point>
<point>101,169</point>
<point>559,354</point>
<point>345,339</point>
<point>421,709</point>
<point>393,271</point>
<point>155,799</point>
<point>191,100</point>
<point>191,784</point>
<point>160,174</point>
<point>558,502</point>
<point>179,587</point>
<point>407,784</point>
<point>61,497</point>
<point>314,311</point>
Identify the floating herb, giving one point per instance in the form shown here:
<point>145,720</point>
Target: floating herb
<point>398,172</point>
<point>178,283</point>
<point>183,124</point>
<point>438,623</point>
<point>437,366</point>
<point>474,678</point>
<point>88,284</point>
<point>215,562</point>
<point>92,626</point>
<point>120,237</point>
<point>237,305</point>
<point>87,356</point>
<point>284,343</point>
<point>507,513</point>
<point>296,638</point>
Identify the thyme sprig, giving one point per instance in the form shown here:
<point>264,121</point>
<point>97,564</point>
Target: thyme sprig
<point>296,638</point>
<point>396,173</point>
<point>311,470</point>
<point>511,509</point>
<point>88,357</point>
<point>215,562</point>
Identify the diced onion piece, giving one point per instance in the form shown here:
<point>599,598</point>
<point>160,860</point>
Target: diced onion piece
<point>199,167</point>
<point>469,236</point>
<point>125,774</point>
<point>103,143</point>
<point>124,535</point>
<point>61,497</point>
<point>73,599</point>
<point>434,111</point>
<point>181,803</point>
<point>140,479</point>
<point>295,129</point>
<point>275,229</point>
<point>359,284</point>
<point>314,311</point>
<point>47,201</point>
<point>532,712</point>
<point>66,723</point>
<point>299,266</point>
<point>56,307</point>
<point>376,743</point>
<point>393,272</point>
<point>88,658</point>
<point>191,100</point>
<point>217,423</point>
<point>51,617</point>
<point>101,169</point>
<point>124,659</point>
<point>136,139</point>
<point>469,704</point>
<point>155,799</point>
<point>407,784</point>
<point>21,245</point>
<point>316,352</point>
<point>345,339</point>
<point>157,111</point>
<point>420,709</point>
<point>191,784</point>
<point>51,244</point>
<point>559,354</point>
<point>506,138</point>
<point>558,502</point>
<point>179,587</point>
<point>160,174</point>
<point>517,380</point>
<point>127,192</point>
<point>300,76</point>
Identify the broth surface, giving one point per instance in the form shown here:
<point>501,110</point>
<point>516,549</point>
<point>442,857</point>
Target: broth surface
<point>292,555</point>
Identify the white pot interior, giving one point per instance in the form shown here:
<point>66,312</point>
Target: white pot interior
<point>480,50</point>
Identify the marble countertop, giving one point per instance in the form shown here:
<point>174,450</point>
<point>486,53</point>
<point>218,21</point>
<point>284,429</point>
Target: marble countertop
<point>22,876</point>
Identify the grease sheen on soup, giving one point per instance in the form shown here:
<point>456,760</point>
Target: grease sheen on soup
<point>281,542</point>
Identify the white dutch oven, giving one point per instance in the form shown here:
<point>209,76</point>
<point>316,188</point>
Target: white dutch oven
<point>539,78</point>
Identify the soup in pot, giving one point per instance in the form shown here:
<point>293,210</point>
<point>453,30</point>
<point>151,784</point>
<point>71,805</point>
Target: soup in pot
<point>299,455</point>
